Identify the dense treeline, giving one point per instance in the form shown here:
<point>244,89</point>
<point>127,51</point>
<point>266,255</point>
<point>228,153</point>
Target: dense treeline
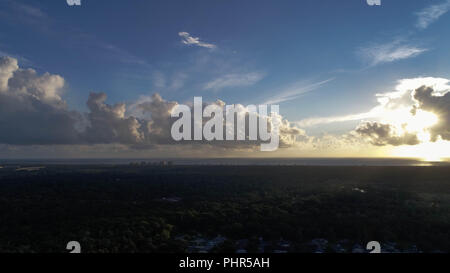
<point>155,209</point>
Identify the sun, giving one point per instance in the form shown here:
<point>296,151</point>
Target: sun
<point>418,123</point>
<point>404,120</point>
<point>421,121</point>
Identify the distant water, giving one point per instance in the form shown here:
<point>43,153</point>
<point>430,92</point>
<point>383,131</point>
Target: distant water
<point>239,161</point>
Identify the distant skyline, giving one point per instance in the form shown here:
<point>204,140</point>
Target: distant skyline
<point>100,79</point>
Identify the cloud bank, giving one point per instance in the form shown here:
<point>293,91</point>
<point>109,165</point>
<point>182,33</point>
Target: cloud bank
<point>33,112</point>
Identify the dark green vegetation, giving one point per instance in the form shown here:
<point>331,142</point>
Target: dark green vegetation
<point>148,209</point>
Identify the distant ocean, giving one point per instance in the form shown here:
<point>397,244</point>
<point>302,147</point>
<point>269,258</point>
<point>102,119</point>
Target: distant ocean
<point>238,161</point>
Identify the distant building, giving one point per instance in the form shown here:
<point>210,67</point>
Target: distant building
<point>151,163</point>
<point>29,169</point>
<point>171,199</point>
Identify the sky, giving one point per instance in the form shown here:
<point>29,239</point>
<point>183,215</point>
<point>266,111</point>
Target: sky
<point>99,79</point>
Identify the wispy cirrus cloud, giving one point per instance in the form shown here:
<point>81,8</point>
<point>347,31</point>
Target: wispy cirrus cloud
<point>29,10</point>
<point>188,39</point>
<point>121,54</point>
<point>16,12</point>
<point>398,49</point>
<point>234,80</point>
<point>169,82</point>
<point>390,52</point>
<point>432,13</point>
<point>308,122</point>
<point>294,92</point>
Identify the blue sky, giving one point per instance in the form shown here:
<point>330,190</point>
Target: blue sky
<point>316,58</point>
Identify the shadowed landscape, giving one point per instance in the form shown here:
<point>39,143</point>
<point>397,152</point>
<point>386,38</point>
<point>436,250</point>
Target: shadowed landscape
<point>254,209</point>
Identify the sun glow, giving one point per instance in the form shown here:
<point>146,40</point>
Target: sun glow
<point>405,121</point>
<point>419,123</point>
<point>428,151</point>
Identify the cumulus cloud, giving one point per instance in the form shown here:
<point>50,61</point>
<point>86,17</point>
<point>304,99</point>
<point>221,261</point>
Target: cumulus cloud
<point>7,67</point>
<point>187,39</point>
<point>385,134</point>
<point>33,112</point>
<point>437,103</point>
<point>159,125</point>
<point>432,13</point>
<point>31,108</point>
<point>108,124</point>
<point>234,80</point>
<point>417,112</point>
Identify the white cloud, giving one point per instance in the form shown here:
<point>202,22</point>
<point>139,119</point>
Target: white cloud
<point>31,108</point>
<point>400,98</point>
<point>33,112</point>
<point>398,49</point>
<point>294,92</point>
<point>308,122</point>
<point>416,112</point>
<point>381,134</point>
<point>187,39</point>
<point>432,13</point>
<point>390,52</point>
<point>234,80</point>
